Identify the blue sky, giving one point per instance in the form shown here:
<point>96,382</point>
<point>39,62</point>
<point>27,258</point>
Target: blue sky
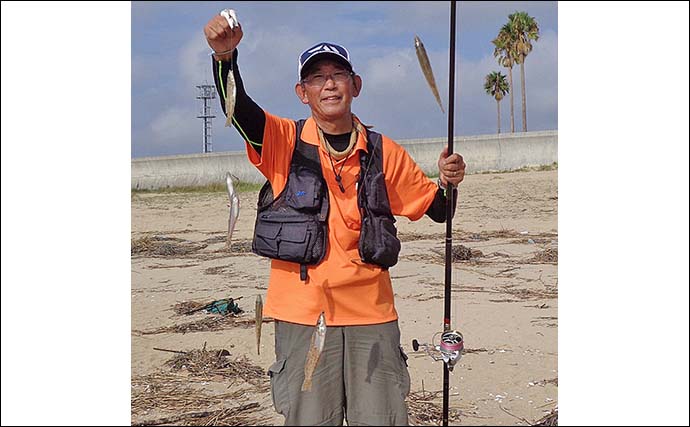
<point>170,57</point>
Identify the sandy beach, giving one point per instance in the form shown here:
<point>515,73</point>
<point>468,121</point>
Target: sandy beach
<point>504,303</point>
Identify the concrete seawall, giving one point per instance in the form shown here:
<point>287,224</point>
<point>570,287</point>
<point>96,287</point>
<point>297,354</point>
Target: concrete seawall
<point>482,153</point>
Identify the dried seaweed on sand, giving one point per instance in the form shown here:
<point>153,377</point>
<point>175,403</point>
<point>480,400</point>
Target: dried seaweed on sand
<point>179,397</point>
<point>164,246</point>
<point>425,408</point>
<point>550,419</point>
<point>243,415</point>
<point>215,323</point>
<point>547,256</point>
<point>217,363</point>
<point>463,253</point>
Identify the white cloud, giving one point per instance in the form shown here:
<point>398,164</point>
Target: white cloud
<point>194,61</point>
<point>176,129</point>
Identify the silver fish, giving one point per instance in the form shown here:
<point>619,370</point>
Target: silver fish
<point>426,68</point>
<point>234,207</point>
<point>318,339</point>
<point>230,90</point>
<point>230,95</point>
<point>258,319</point>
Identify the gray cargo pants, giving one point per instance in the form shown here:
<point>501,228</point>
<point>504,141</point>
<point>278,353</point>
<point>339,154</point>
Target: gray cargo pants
<point>361,376</point>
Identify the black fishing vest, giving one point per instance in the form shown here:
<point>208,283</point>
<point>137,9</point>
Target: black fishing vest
<point>294,226</point>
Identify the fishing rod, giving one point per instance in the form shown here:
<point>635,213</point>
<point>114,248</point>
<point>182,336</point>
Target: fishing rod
<point>447,367</point>
<point>451,344</point>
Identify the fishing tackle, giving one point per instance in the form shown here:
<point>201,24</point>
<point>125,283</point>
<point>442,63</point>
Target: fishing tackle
<point>449,349</point>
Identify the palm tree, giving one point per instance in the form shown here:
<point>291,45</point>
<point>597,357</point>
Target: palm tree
<point>504,53</point>
<point>496,86</point>
<point>524,29</point>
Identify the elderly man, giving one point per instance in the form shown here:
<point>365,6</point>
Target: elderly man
<point>326,218</point>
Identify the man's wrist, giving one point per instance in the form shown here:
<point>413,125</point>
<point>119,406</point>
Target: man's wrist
<point>223,56</point>
<point>440,184</point>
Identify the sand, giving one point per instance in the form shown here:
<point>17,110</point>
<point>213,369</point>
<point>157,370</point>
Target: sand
<point>504,299</point>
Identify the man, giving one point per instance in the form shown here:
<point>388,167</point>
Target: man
<point>343,197</point>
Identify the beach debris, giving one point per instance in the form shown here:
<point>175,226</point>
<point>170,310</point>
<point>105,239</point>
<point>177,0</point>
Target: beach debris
<point>542,383</point>
<point>170,351</point>
<point>164,246</point>
<point>551,419</point>
<point>218,363</point>
<point>463,253</point>
<point>426,408</point>
<point>176,400</point>
<point>215,323</point>
<point>258,321</point>
<point>222,306</point>
<point>318,339</point>
<point>476,237</point>
<point>426,69</point>
<point>236,416</point>
<point>547,256</point>
<point>178,393</point>
<point>511,414</point>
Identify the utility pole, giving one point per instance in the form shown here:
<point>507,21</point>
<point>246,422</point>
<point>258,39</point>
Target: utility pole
<point>206,93</point>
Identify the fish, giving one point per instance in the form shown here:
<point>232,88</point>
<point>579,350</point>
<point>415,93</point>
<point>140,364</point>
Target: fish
<point>230,96</point>
<point>426,68</point>
<point>318,339</point>
<point>234,207</point>
<point>230,88</point>
<point>258,320</point>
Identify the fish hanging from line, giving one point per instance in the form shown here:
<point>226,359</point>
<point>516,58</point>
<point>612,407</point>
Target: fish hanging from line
<point>426,69</point>
<point>258,319</point>
<point>318,339</point>
<point>231,93</point>
<point>234,207</point>
<point>230,89</point>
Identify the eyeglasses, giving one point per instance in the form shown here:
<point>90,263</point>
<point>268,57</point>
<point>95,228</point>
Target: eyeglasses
<point>318,80</point>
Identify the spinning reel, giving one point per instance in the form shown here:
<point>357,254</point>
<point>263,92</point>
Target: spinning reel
<point>449,349</point>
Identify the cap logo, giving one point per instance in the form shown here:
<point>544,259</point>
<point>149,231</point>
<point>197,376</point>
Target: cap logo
<point>320,48</point>
<point>324,47</point>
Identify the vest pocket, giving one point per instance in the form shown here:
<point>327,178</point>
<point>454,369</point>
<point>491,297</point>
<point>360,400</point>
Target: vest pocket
<point>304,191</point>
<point>377,195</point>
<point>379,243</point>
<point>294,242</point>
<point>288,237</point>
<point>266,238</point>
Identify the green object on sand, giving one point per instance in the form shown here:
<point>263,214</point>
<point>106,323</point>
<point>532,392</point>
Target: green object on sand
<point>223,306</point>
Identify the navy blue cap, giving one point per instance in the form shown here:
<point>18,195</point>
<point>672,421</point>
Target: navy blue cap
<point>321,51</point>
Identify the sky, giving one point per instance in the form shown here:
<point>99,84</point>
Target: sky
<point>170,57</point>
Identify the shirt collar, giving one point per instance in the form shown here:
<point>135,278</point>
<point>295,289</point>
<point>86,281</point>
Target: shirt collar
<point>311,136</point>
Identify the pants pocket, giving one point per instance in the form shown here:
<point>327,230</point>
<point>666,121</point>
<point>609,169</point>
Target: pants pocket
<point>405,382</point>
<point>279,387</point>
